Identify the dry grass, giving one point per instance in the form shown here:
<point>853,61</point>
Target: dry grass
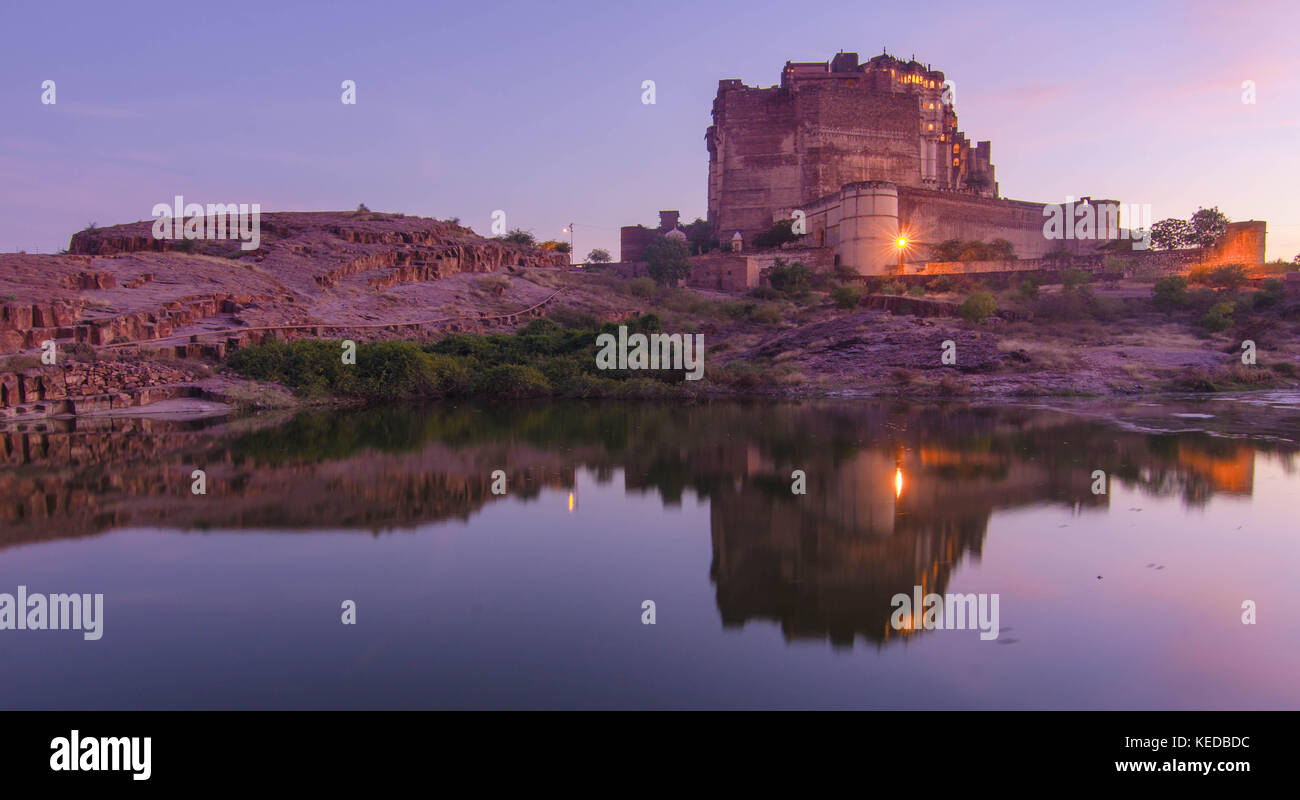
<point>1044,354</point>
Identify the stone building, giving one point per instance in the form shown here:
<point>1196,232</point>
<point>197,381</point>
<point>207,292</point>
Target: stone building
<point>830,124</point>
<point>869,159</point>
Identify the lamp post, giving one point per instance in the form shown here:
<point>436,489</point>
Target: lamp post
<point>569,230</point>
<point>901,243</point>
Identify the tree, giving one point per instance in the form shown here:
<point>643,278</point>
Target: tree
<point>598,256</point>
<point>551,244</point>
<point>699,235</point>
<point>782,231</point>
<point>1207,225</point>
<point>666,260</point>
<point>1171,234</point>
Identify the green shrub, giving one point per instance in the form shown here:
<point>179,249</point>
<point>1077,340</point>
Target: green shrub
<point>916,291</point>
<point>1219,317</point>
<point>641,287</point>
<point>643,389</point>
<point>511,382</point>
<point>570,317</point>
<point>793,279</point>
<point>979,306</point>
<point>1170,293</point>
<point>1230,277</point>
<point>846,296</point>
<point>735,309</point>
<point>893,287</point>
<point>1073,278</point>
<point>1027,291</point>
<point>767,314</point>
<point>394,369</point>
<point>1270,293</point>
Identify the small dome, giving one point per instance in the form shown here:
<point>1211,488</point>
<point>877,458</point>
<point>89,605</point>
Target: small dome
<point>676,233</point>
<point>736,235</point>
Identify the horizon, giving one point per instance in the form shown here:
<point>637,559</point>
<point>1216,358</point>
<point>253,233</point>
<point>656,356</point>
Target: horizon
<point>461,130</point>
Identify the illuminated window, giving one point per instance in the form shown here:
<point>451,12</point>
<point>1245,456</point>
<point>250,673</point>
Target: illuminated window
<point>956,148</point>
<point>930,127</point>
<point>956,162</point>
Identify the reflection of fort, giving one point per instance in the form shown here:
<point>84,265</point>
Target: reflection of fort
<point>873,526</point>
<point>895,497</point>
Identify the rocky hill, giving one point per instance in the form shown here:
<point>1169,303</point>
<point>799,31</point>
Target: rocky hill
<point>120,285</point>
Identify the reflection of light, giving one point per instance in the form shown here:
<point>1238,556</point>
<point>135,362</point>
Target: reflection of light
<point>570,502</point>
<point>898,482</point>
<point>902,242</point>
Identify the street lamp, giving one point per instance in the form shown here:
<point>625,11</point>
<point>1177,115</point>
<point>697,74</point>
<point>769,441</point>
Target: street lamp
<point>569,230</point>
<point>901,243</point>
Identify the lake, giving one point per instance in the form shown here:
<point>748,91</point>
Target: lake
<point>1118,590</point>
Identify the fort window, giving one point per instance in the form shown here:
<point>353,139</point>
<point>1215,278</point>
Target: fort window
<point>956,162</point>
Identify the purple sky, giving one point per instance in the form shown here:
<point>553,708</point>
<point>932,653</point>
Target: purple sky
<point>535,107</point>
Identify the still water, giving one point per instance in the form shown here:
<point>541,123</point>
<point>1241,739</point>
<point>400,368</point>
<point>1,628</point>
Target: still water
<point>763,598</point>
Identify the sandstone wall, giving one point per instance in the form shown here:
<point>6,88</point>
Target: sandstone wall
<point>77,388</point>
<point>933,217</point>
<point>723,272</point>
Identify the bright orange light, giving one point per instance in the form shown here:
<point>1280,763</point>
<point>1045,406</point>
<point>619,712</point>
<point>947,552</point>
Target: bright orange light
<point>898,483</point>
<point>570,502</point>
<point>902,242</point>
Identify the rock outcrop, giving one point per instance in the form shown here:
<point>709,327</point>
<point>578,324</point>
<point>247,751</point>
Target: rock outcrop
<point>121,286</point>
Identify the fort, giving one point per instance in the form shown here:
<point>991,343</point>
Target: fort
<point>868,160</point>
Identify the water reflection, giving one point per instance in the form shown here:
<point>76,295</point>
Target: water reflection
<point>896,496</point>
